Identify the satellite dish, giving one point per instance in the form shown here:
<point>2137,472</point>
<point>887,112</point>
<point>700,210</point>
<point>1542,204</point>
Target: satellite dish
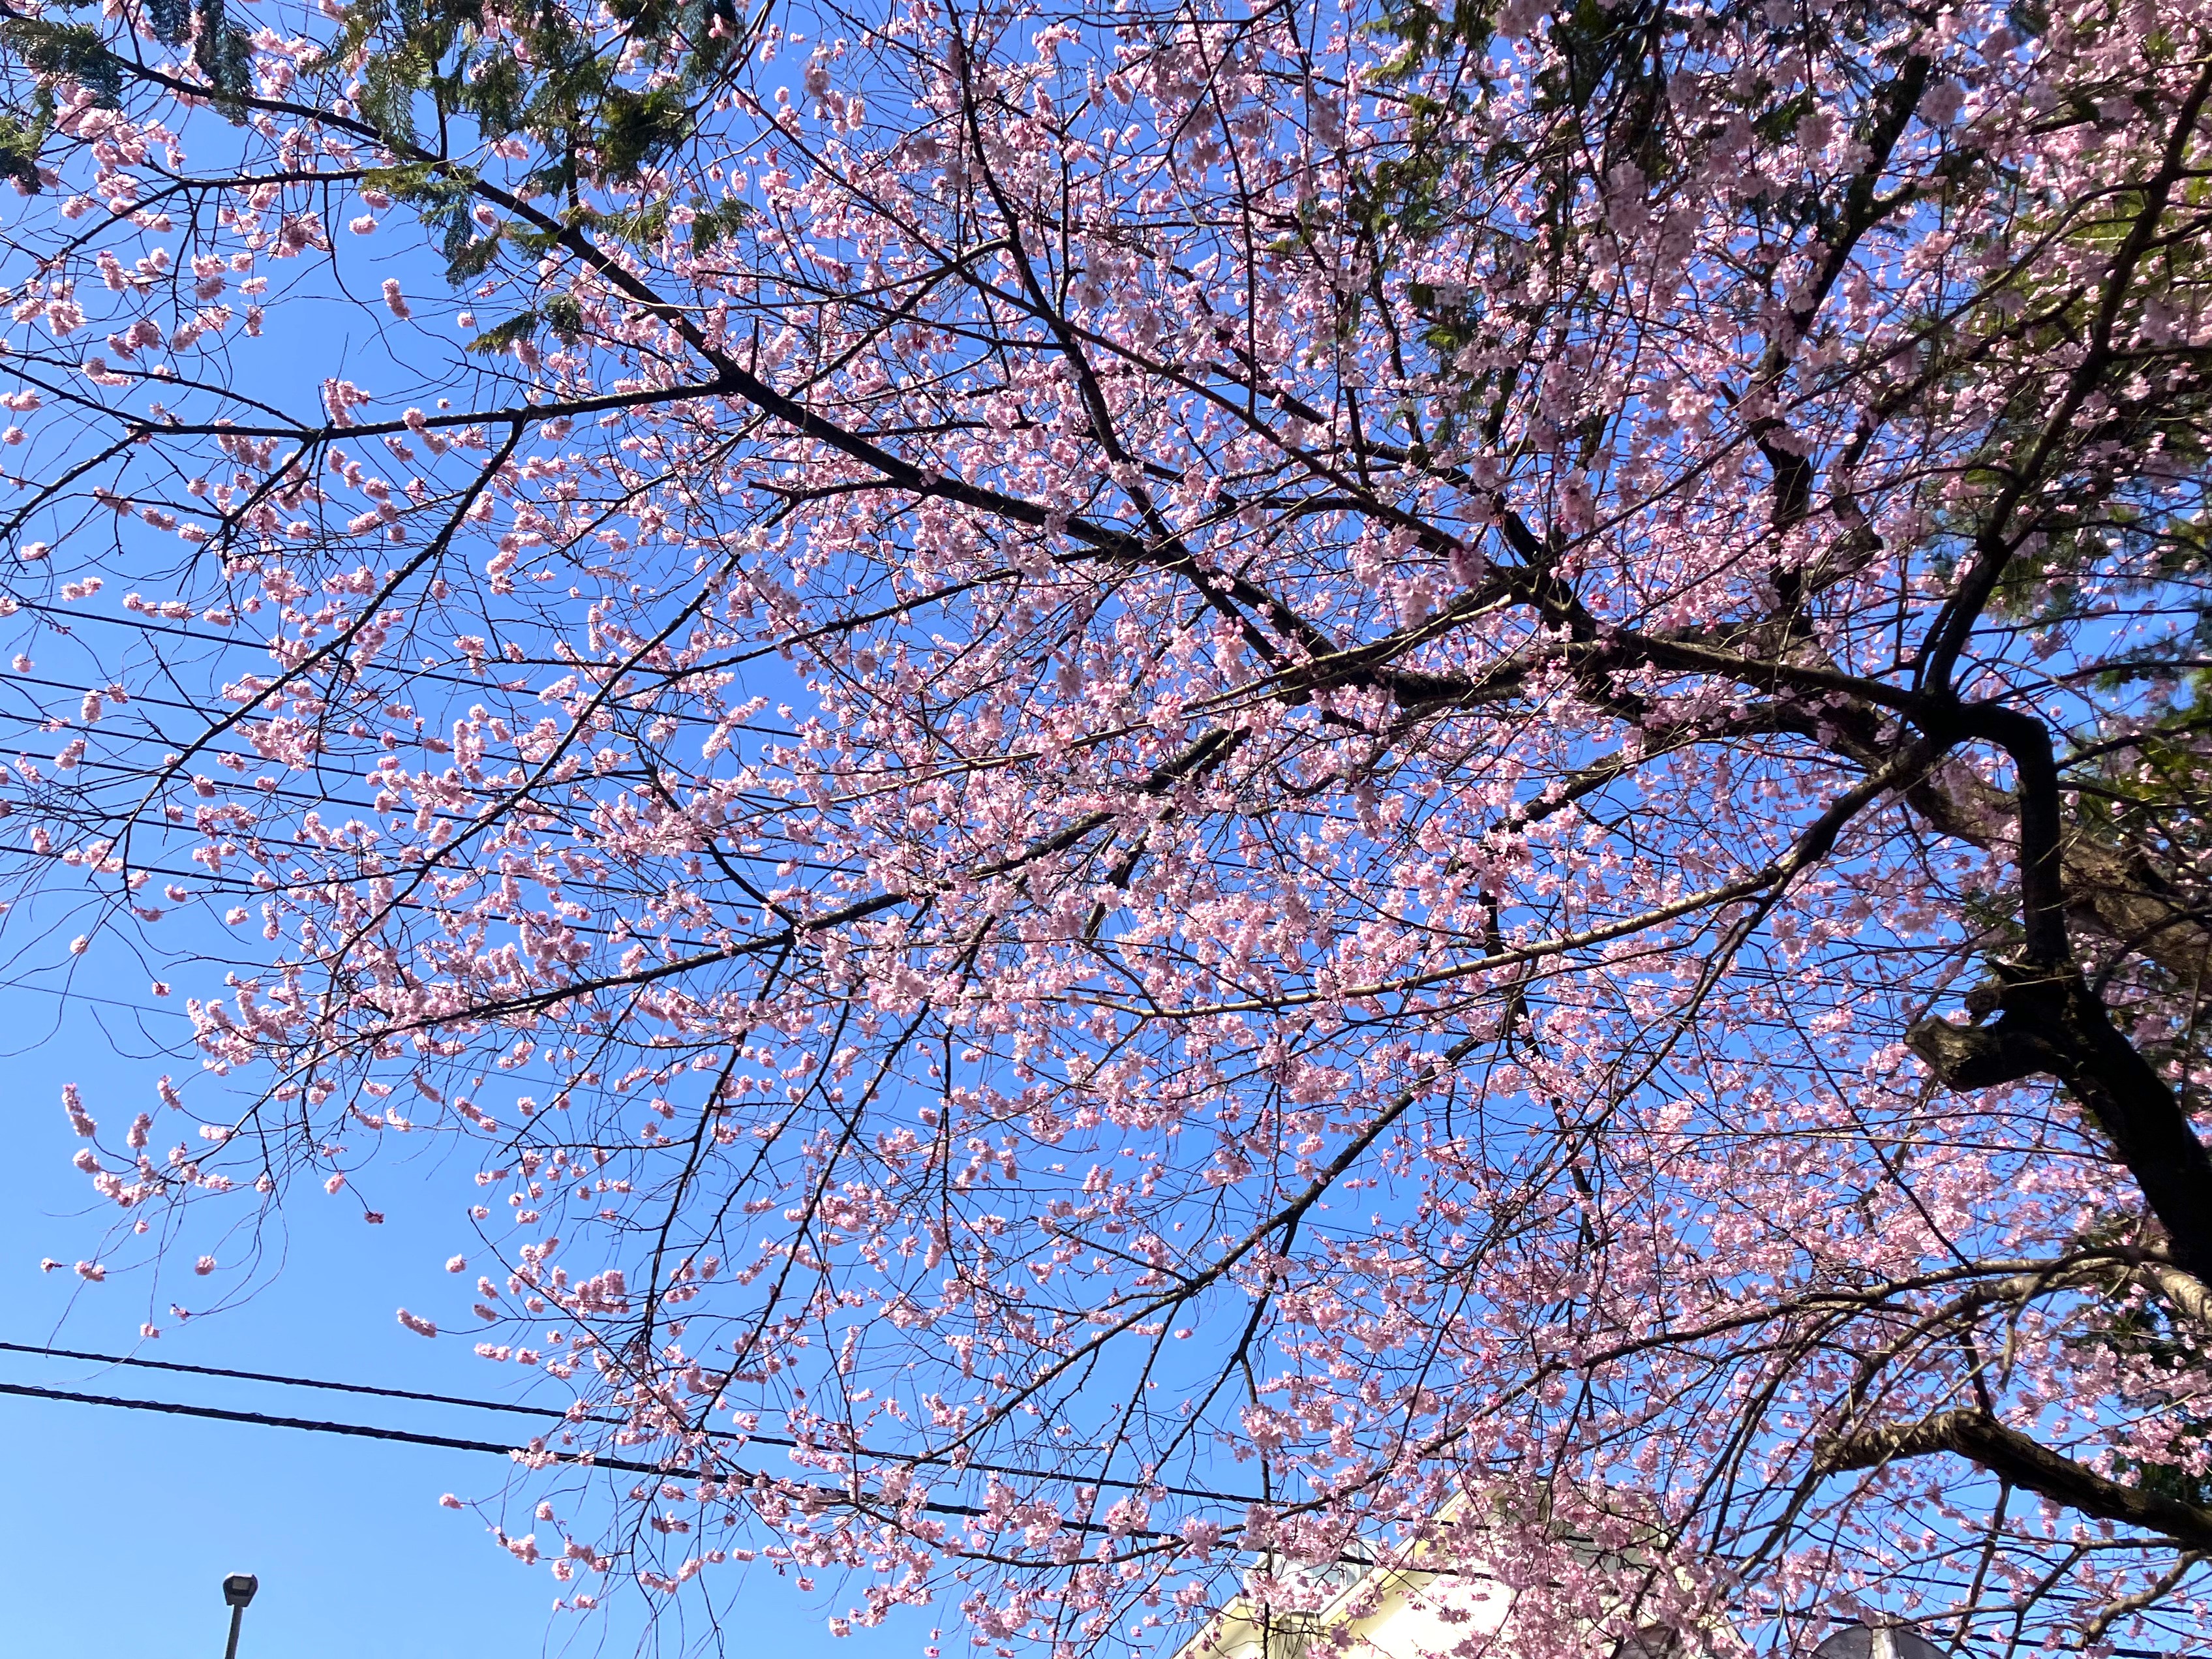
<point>1878,1642</point>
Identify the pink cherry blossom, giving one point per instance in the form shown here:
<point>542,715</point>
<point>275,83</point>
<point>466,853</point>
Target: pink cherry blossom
<point>1123,803</point>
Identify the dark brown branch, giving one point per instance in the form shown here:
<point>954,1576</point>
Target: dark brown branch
<point>2051,1022</point>
<point>1981,1439</point>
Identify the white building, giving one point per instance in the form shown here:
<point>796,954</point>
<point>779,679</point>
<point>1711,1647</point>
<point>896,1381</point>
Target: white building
<point>1394,1607</point>
<point>1399,1610</point>
<point>1383,1611</point>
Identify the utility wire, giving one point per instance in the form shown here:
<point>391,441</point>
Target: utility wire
<point>409,1437</point>
<point>68,994</point>
<point>453,1443</point>
<point>297,1381</point>
<point>364,1431</point>
<point>543,1412</point>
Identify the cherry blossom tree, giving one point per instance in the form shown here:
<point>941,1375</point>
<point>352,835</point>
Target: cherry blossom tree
<point>1166,788</point>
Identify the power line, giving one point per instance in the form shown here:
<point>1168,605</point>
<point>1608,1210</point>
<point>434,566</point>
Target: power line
<point>364,1431</point>
<point>71,995</point>
<point>412,1437</point>
<point>441,673</point>
<point>536,1457</point>
<point>291,1382</point>
<point>510,1408</point>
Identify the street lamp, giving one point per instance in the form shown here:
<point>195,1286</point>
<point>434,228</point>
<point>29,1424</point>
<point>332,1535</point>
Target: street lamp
<point>237,1590</point>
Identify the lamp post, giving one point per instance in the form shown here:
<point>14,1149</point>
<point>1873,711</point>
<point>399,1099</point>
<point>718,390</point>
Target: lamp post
<point>237,1590</point>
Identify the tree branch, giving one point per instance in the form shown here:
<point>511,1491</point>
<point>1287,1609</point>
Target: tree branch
<point>1981,1438</point>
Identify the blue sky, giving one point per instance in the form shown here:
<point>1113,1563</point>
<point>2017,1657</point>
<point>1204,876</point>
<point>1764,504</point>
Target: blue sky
<point>124,1522</point>
<point>120,1525</point>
